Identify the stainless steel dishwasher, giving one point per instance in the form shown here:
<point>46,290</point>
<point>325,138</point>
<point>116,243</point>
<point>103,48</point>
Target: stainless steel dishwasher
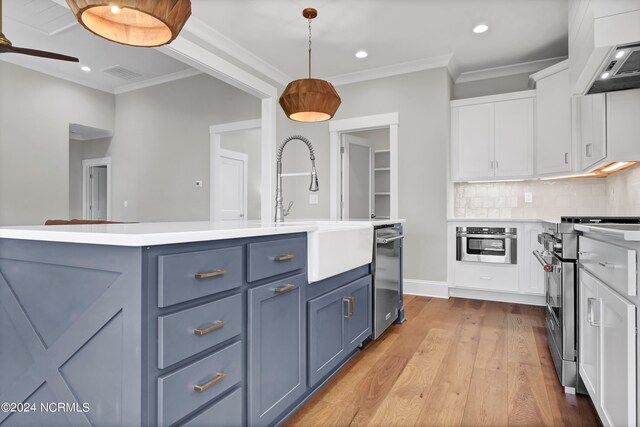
<point>387,274</point>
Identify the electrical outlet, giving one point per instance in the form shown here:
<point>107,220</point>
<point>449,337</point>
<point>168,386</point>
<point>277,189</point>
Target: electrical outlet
<point>313,199</point>
<point>198,184</point>
<point>528,197</point>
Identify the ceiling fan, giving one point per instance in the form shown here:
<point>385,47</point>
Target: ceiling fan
<point>7,47</point>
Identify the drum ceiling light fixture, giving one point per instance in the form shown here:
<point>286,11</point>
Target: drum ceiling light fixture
<point>145,23</point>
<point>310,100</point>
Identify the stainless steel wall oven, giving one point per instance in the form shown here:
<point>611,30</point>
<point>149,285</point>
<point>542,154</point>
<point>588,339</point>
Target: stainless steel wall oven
<point>487,244</point>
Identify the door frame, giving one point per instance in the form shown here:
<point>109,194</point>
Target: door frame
<point>218,186</point>
<point>86,164</point>
<point>344,181</point>
<point>338,127</point>
<point>216,132</point>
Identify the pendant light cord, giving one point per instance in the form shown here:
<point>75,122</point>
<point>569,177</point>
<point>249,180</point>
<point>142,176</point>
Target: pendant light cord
<point>309,48</point>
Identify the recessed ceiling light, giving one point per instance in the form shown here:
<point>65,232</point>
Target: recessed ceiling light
<point>620,54</point>
<point>85,68</point>
<point>361,54</point>
<point>481,28</point>
<point>604,75</point>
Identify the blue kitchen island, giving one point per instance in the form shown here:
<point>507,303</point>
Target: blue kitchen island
<point>172,324</point>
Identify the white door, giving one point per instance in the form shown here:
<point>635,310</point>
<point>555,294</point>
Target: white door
<point>472,136</point>
<point>589,319</point>
<point>514,138</point>
<point>97,193</point>
<point>617,359</point>
<point>553,108</point>
<point>231,194</point>
<point>357,177</point>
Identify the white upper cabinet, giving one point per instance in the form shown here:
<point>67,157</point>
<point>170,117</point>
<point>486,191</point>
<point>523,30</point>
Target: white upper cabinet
<point>593,136</point>
<point>492,137</point>
<point>554,153</point>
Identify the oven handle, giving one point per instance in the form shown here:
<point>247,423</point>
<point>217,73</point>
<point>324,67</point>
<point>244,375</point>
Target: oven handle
<point>547,267</point>
<point>489,236</point>
<point>385,240</point>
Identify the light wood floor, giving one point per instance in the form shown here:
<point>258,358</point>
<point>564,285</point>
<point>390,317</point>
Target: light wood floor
<point>455,362</point>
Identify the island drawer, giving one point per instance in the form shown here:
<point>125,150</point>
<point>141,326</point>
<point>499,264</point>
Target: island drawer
<point>188,332</point>
<point>185,390</point>
<point>225,413</point>
<point>614,265</point>
<point>186,276</point>
<point>267,259</point>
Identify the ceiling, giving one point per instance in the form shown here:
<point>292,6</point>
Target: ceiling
<point>392,31</point>
<point>46,25</point>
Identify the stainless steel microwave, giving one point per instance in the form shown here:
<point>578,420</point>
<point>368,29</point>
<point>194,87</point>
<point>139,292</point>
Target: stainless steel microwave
<point>487,244</point>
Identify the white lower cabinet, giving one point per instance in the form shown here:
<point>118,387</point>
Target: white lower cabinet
<point>607,331</point>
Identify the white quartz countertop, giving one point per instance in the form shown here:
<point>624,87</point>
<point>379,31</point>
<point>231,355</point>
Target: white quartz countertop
<point>630,232</point>
<point>163,233</point>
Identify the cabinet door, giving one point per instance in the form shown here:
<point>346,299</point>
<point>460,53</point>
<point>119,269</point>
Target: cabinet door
<point>358,320</point>
<point>618,358</point>
<point>277,348</point>
<point>514,138</point>
<point>472,135</point>
<point>593,139</point>
<point>589,332</point>
<point>553,124</point>
<point>327,338</point>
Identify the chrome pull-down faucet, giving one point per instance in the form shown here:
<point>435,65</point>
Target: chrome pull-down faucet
<point>280,212</point>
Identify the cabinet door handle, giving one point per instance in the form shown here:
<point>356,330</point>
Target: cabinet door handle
<point>491,165</point>
<point>215,273</point>
<point>590,316</point>
<point>497,165</point>
<point>348,301</point>
<point>283,289</point>
<point>200,388</point>
<point>588,150</point>
<point>353,305</point>
<point>284,257</point>
<point>216,325</point>
<point>566,158</point>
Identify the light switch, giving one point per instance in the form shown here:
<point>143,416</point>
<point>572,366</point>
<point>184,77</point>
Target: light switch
<point>528,197</point>
<point>313,199</point>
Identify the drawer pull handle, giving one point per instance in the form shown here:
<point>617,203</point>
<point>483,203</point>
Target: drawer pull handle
<point>607,264</point>
<point>284,289</point>
<point>353,305</point>
<point>210,274</point>
<point>287,257</point>
<point>200,388</point>
<point>216,325</point>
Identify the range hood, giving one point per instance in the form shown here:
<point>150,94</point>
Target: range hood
<point>621,71</point>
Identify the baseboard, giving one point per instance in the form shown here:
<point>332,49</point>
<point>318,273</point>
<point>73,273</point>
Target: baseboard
<point>497,296</point>
<point>425,288</point>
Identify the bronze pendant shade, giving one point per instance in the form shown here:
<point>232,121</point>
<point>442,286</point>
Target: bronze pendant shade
<point>145,23</point>
<point>310,100</point>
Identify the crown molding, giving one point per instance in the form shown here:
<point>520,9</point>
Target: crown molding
<point>199,29</point>
<point>508,70</point>
<point>442,61</point>
<point>178,75</point>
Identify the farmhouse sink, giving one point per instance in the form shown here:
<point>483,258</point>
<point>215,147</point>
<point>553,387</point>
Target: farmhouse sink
<point>336,247</point>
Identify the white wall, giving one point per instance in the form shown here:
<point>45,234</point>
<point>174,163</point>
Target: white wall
<point>35,113</point>
<point>422,101</point>
<point>248,142</point>
<point>493,86</point>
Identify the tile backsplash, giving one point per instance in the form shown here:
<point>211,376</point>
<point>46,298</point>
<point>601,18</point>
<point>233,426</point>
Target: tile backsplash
<point>618,194</point>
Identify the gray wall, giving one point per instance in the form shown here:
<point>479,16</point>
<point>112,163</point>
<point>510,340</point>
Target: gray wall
<point>161,147</point>
<point>249,143</point>
<point>422,101</point>
<point>35,112</point>
<point>79,151</point>
<point>505,84</point>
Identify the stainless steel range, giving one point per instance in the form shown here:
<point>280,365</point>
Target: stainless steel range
<point>559,260</point>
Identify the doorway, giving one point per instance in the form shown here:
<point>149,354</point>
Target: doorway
<point>357,177</point>
<point>96,189</point>
<point>231,198</point>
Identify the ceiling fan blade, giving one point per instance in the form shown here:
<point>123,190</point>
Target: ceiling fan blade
<point>39,53</point>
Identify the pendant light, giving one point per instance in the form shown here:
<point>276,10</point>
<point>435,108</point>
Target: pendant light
<point>310,100</point>
<point>145,23</point>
